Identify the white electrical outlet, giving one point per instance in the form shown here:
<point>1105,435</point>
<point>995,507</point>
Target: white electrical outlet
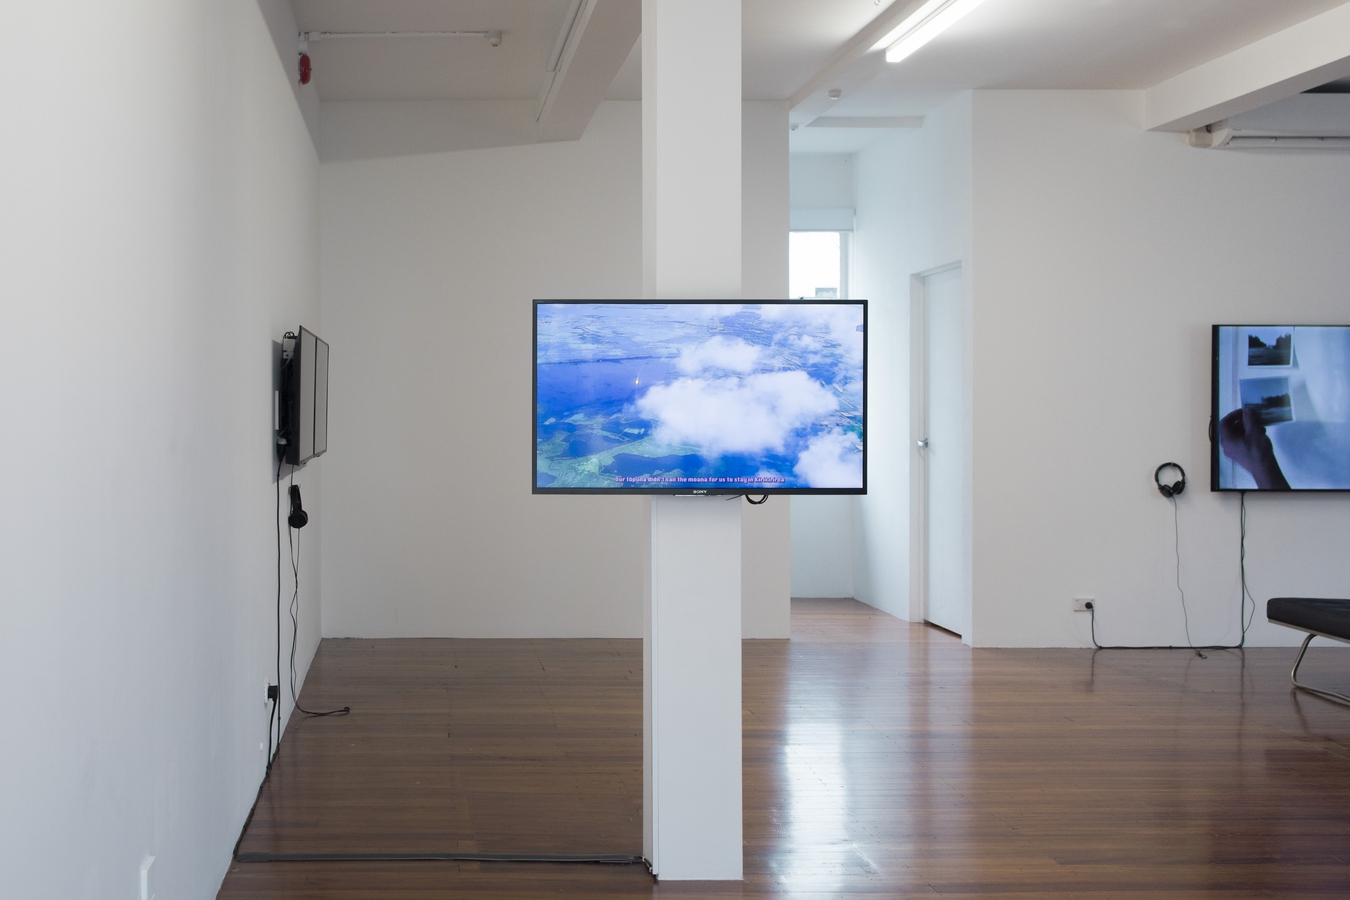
<point>147,866</point>
<point>1080,604</point>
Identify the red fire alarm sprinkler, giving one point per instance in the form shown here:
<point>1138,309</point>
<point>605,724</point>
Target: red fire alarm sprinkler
<point>306,71</point>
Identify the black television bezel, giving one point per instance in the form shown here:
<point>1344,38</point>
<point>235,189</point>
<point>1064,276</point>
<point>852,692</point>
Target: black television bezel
<point>292,372</point>
<point>1214,451</point>
<point>684,491</point>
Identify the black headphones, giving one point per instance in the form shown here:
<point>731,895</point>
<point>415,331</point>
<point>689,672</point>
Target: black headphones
<point>1167,490</point>
<point>298,517</point>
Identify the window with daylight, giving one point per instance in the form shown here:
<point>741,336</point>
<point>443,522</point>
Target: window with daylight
<point>818,265</point>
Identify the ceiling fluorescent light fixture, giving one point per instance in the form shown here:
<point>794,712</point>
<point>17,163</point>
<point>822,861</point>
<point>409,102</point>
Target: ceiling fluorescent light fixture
<point>927,22</point>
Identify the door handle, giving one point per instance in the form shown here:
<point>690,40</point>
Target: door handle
<point>923,444</point>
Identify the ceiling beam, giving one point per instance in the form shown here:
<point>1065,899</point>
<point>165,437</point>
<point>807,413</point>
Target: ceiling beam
<point>601,36</point>
<point>856,48</point>
<point>1281,65</point>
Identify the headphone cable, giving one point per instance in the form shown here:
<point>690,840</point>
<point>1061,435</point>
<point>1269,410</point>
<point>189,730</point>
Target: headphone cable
<point>1185,616</point>
<point>274,714</point>
<point>293,541</point>
<point>1244,621</point>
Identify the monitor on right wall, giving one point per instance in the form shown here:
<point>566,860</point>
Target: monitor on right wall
<point>1280,408</point>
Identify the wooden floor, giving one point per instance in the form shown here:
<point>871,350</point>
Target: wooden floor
<point>881,758</point>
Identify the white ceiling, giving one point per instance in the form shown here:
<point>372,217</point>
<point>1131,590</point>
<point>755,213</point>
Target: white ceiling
<point>1002,44</point>
<point>1066,44</point>
<point>785,42</point>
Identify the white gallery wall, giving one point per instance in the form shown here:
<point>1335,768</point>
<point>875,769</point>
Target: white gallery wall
<point>821,193</point>
<point>822,546</point>
<point>1097,255</point>
<point>821,181</point>
<point>766,530</point>
<point>158,233</point>
<point>430,262</point>
<point>1102,256</point>
<point>913,201</point>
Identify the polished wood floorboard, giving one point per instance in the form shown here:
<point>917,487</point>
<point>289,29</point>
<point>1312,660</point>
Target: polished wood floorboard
<point>461,746</point>
<point>881,759</point>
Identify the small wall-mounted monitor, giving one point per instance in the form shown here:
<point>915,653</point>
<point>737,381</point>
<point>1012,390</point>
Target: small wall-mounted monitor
<point>718,397</point>
<point>1280,408</point>
<point>303,426</point>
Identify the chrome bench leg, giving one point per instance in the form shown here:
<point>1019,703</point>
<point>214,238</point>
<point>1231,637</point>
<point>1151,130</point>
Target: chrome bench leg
<point>1293,676</point>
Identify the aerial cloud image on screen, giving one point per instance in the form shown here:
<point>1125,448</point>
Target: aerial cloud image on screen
<point>699,396</point>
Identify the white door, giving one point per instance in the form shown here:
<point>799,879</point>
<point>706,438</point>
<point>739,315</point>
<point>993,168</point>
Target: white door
<point>943,452</point>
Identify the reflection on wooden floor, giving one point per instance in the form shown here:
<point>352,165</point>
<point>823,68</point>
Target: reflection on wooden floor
<point>881,758</point>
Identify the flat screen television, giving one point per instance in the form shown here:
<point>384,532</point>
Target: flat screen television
<point>689,397</point>
<point>1280,414</point>
<point>302,429</point>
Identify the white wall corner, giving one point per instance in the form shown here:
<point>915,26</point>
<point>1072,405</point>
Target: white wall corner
<point>766,531</point>
<point>280,19</point>
<point>766,569</point>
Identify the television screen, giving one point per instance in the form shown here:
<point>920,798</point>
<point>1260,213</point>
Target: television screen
<point>677,397</point>
<point>1281,408</point>
<point>304,397</point>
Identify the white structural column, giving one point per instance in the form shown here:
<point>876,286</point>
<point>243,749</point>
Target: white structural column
<point>692,690</point>
<point>691,148</point>
<point>691,179</point>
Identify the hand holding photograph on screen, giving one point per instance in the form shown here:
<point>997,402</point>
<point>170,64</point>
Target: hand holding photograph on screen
<point>1280,408</point>
<point>1244,441</point>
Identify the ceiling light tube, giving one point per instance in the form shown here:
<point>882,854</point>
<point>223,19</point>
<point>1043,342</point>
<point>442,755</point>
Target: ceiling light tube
<point>926,23</point>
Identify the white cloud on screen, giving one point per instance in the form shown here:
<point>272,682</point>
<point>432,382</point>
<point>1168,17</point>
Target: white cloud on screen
<point>831,460</point>
<point>721,354</point>
<point>841,321</point>
<point>736,415</point>
<point>708,310</point>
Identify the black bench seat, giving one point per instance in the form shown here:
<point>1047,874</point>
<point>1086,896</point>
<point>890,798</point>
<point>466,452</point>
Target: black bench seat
<point>1317,616</point>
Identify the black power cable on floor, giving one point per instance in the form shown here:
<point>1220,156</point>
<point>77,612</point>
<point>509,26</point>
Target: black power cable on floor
<point>605,859</point>
<point>1244,620</point>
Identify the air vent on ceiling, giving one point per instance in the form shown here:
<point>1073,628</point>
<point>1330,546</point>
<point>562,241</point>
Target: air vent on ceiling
<point>1311,121</point>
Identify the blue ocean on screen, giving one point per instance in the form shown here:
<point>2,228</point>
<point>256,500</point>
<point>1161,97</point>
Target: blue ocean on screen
<point>641,396</point>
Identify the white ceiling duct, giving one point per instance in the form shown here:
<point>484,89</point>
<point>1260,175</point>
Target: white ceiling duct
<point>1318,121</point>
<point>492,37</point>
